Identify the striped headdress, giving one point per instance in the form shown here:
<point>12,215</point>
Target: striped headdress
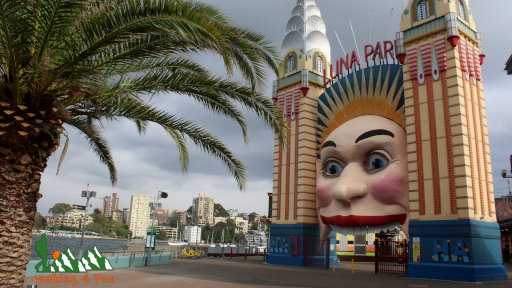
<point>376,90</point>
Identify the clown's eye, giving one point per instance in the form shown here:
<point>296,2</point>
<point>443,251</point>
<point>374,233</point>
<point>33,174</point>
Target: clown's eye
<point>377,161</point>
<point>332,168</point>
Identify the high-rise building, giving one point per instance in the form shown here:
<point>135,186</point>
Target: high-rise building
<point>180,214</point>
<point>117,215</point>
<point>126,215</point>
<point>139,215</point>
<point>107,206</point>
<point>115,201</point>
<point>202,212</point>
<point>110,204</point>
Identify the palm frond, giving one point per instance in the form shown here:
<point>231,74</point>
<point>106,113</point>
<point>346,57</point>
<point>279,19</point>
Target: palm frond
<point>53,20</point>
<point>178,138</point>
<point>97,143</point>
<point>13,22</point>
<point>201,87</point>
<point>134,18</point>
<point>133,109</point>
<point>142,126</point>
<point>93,60</point>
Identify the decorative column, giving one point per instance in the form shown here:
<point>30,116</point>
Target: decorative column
<point>453,229</point>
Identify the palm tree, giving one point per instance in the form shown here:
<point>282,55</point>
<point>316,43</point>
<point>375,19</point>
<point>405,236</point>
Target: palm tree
<point>75,63</point>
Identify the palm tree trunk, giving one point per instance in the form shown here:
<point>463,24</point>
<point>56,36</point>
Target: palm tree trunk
<point>20,178</point>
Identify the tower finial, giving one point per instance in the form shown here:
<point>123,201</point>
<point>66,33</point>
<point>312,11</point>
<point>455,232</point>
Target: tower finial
<point>306,30</point>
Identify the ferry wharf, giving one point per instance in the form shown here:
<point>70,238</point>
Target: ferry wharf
<point>251,272</point>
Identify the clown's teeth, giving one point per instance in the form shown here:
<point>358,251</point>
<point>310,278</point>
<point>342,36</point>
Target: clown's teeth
<point>363,230</point>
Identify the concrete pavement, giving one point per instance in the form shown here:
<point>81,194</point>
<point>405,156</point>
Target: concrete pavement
<point>250,273</point>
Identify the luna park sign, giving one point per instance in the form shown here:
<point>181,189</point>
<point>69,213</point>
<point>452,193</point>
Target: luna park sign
<point>384,50</point>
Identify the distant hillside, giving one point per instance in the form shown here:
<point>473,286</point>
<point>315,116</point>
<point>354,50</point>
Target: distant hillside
<point>219,211</point>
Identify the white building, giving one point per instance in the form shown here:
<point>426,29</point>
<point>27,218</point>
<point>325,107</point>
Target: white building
<point>172,233</point>
<point>139,215</point>
<point>192,234</point>
<point>232,213</point>
<point>242,225</point>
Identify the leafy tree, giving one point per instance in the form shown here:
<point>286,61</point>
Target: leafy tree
<point>252,216</point>
<point>173,220</point>
<point>231,224</point>
<point>219,211</point>
<point>73,64</point>
<point>231,230</point>
<point>94,227</point>
<point>206,232</point>
<point>39,222</point>
<point>60,209</point>
<point>162,235</point>
<point>65,228</point>
<point>118,228</point>
<point>105,223</point>
<point>122,231</point>
<point>217,231</point>
<point>255,225</point>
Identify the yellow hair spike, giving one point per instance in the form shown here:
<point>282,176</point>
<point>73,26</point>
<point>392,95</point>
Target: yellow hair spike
<point>358,94</point>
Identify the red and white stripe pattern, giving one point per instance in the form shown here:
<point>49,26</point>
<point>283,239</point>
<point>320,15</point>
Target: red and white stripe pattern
<point>426,52</point>
<point>469,59</point>
<point>288,98</point>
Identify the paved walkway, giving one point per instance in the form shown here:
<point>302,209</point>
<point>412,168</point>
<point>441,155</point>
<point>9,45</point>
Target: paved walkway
<point>236,272</point>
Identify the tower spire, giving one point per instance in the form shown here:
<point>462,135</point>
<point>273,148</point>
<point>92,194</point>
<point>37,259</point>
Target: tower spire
<point>306,30</point>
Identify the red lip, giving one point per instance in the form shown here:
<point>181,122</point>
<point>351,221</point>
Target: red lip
<point>354,220</point>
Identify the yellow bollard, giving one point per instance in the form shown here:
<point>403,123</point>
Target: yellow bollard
<point>333,264</point>
<point>353,270</point>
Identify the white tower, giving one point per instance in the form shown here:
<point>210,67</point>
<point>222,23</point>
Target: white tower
<point>305,52</point>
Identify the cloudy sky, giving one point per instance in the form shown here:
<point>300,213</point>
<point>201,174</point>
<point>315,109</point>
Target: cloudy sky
<point>149,163</point>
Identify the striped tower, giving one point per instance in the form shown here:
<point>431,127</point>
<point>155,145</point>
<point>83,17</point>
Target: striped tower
<point>453,229</point>
<point>306,53</point>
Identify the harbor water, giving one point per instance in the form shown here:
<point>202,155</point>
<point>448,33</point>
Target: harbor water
<point>55,243</point>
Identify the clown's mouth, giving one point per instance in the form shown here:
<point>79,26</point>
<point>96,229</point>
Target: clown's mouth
<point>360,225</point>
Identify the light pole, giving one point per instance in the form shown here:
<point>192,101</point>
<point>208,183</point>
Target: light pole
<point>150,245</point>
<point>88,195</point>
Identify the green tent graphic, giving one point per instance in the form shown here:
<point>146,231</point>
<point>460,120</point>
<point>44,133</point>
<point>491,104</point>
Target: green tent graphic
<point>93,261</point>
<point>65,262</point>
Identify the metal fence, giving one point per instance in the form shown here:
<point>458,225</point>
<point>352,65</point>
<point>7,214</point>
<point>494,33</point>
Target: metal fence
<point>391,256</point>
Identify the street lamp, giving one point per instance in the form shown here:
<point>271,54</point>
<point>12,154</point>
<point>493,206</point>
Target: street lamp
<point>150,245</point>
<point>88,195</point>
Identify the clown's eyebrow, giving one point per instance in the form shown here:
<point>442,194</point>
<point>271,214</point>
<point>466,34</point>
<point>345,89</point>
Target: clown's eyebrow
<point>329,144</point>
<point>373,133</point>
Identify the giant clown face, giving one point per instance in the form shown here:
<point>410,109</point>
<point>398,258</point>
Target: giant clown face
<point>362,178</point>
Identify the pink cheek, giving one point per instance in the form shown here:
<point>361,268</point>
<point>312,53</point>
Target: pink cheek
<point>390,189</point>
<point>324,195</point>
